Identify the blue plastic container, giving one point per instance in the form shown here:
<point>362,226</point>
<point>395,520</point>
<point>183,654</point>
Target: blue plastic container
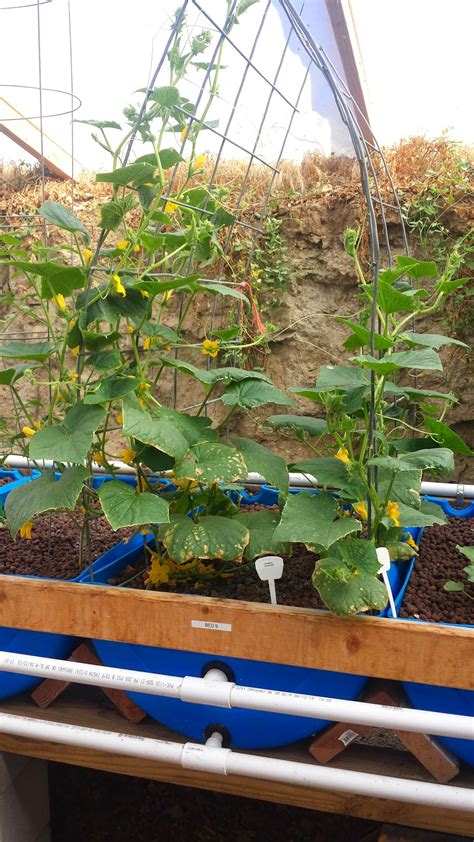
<point>247,729</point>
<point>43,643</point>
<point>443,699</point>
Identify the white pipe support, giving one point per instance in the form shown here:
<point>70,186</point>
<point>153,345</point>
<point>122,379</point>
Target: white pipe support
<point>202,691</point>
<point>226,762</point>
<point>229,695</point>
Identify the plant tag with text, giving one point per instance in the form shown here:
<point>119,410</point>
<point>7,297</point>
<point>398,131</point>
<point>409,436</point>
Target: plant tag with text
<point>269,568</point>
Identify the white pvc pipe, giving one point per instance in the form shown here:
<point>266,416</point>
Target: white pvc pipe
<point>214,759</point>
<point>436,489</point>
<point>226,694</point>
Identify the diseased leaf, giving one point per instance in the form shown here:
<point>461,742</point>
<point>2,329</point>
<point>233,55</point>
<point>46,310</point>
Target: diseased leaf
<point>43,495</point>
<point>261,527</point>
<point>260,459</point>
<point>346,593</point>
<point>122,505</point>
<point>212,537</point>
<point>211,462</point>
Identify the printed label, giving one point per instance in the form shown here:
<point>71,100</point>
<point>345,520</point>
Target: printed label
<point>208,624</point>
<point>348,736</point>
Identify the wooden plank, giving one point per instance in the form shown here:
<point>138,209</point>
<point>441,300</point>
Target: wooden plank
<point>357,758</point>
<point>425,652</point>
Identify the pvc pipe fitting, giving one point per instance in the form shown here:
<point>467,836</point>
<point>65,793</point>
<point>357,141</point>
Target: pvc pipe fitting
<point>206,692</point>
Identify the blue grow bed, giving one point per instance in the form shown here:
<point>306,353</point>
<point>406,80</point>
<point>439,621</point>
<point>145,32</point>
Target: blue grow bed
<point>247,729</point>
<point>442,699</point>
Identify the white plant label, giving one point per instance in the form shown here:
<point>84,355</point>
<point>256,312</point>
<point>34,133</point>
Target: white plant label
<point>383,556</point>
<point>269,568</point>
<point>210,626</point>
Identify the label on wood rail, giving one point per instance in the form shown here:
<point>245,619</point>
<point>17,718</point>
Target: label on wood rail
<point>348,737</point>
<point>210,626</point>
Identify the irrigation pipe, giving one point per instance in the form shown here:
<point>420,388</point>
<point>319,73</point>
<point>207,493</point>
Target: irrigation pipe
<point>222,761</point>
<point>435,489</point>
<point>215,690</point>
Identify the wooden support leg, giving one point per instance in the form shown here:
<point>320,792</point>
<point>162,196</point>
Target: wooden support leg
<point>436,759</point>
<point>24,801</point>
<point>51,688</point>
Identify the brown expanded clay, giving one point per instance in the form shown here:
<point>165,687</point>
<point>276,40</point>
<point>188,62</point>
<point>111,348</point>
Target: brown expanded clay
<point>5,480</point>
<point>439,562</point>
<point>53,549</point>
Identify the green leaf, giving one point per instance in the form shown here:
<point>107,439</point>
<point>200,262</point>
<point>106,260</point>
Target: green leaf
<point>438,458</point>
<point>250,393</point>
<point>244,5</point>
<point>167,96</point>
<point>160,432</point>
<point>417,268</point>
<point>55,277</point>
<point>162,332</point>
<point>427,516</point>
<point>453,587</point>
<point>97,341</point>
<point>359,555</point>
<point>446,437</point>
<point>467,551</point>
<point>345,593</point>
<point>260,459</point>
<point>339,377</point>
<point>221,289</point>
<point>445,285</point>
<point>261,526</point>
<point>104,360</point>
<point>311,519</point>
<point>101,124</point>
<point>427,359</point>
<point>400,551</point>
<point>70,440</point>
<point>112,389</point>
<point>362,336</point>
<point>115,306</point>
<point>391,300</point>
<point>212,537</point>
<point>124,507</point>
<point>213,375</point>
<point>168,158</point>
<point>193,427</point>
<point>392,389</point>
<point>431,340</point>
<point>310,425</point>
<point>113,213</point>
<point>27,350</point>
<point>405,488</point>
<point>135,174</point>
<point>10,375</point>
<point>43,495</point>
<point>63,218</point>
<point>469,571</point>
<point>327,469</point>
<point>211,462</point>
<point>154,459</point>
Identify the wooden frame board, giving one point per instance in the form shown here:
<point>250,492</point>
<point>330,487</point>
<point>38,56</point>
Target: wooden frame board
<point>357,758</point>
<point>400,650</point>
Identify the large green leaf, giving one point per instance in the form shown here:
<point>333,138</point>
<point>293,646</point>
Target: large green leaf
<point>446,436</point>
<point>213,375</point>
<point>10,375</point>
<point>161,432</point>
<point>260,459</point>
<point>339,377</point>
<point>112,389</point>
<point>411,392</point>
<point>432,340</point>
<point>70,440</point>
<point>212,537</point>
<point>438,458</point>
<point>135,174</point>
<point>327,469</point>
<point>211,462</point>
<point>43,495</point>
<point>221,289</point>
<point>404,488</point>
<point>195,428</point>
<point>346,593</point>
<point>104,360</point>
<point>122,505</point>
<point>113,306</point>
<point>417,268</point>
<point>26,350</point>
<point>391,300</point>
<point>55,277</point>
<point>251,392</point>
<point>311,519</point>
<point>310,425</point>
<point>362,336</point>
<point>63,218</point>
<point>113,213</point>
<point>168,158</point>
<point>426,359</point>
<point>426,516</point>
<point>261,526</point>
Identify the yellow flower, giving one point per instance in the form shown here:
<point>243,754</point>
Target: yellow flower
<point>183,134</point>
<point>210,347</point>
<point>73,375</point>
<point>343,455</point>
<point>361,510</point>
<point>25,530</point>
<point>145,293</point>
<point>61,302</point>
<point>130,329</point>
<point>199,162</point>
<point>71,324</point>
<point>123,244</point>
<point>147,343</point>
<point>98,458</point>
<point>136,248</point>
<point>144,385</point>
<point>171,207</point>
<point>145,530</point>
<point>87,255</point>
<point>167,295</point>
<point>127,455</point>
<point>186,484</point>
<point>37,425</point>
<point>75,350</point>
<point>119,287</point>
<point>28,431</point>
<point>393,512</point>
<point>159,571</point>
<point>119,418</point>
<point>411,543</point>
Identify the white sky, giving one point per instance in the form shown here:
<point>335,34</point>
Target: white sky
<point>415,59</point>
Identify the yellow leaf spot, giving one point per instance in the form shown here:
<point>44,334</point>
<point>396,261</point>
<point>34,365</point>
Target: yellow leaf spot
<point>210,347</point>
<point>25,530</point>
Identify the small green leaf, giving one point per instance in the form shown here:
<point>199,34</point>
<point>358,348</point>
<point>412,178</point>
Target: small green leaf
<point>166,334</point>
<point>417,268</point>
<point>311,519</point>
<point>467,551</point>
<point>251,392</point>
<point>359,555</point>
<point>56,278</point>
<point>113,213</point>
<point>122,505</point>
<point>112,389</point>
<point>432,340</point>
<point>427,516</point>
<point>160,432</point>
<point>168,158</point>
<point>101,124</point>
<point>260,459</point>
<point>362,336</point>
<point>10,375</point>
<point>327,469</point>
<point>70,440</point>
<point>261,526</point>
<point>427,359</point>
<point>469,571</point>
<point>447,437</point>
<point>27,350</point>
<point>167,96</point>
<point>43,495</point>
<point>212,537</point>
<point>310,425</point>
<point>211,462</point>
<point>453,587</point>
<point>339,377</point>
<point>391,300</point>
<point>213,375</point>
<point>135,174</point>
<point>221,289</point>
<point>63,218</point>
<point>104,360</point>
